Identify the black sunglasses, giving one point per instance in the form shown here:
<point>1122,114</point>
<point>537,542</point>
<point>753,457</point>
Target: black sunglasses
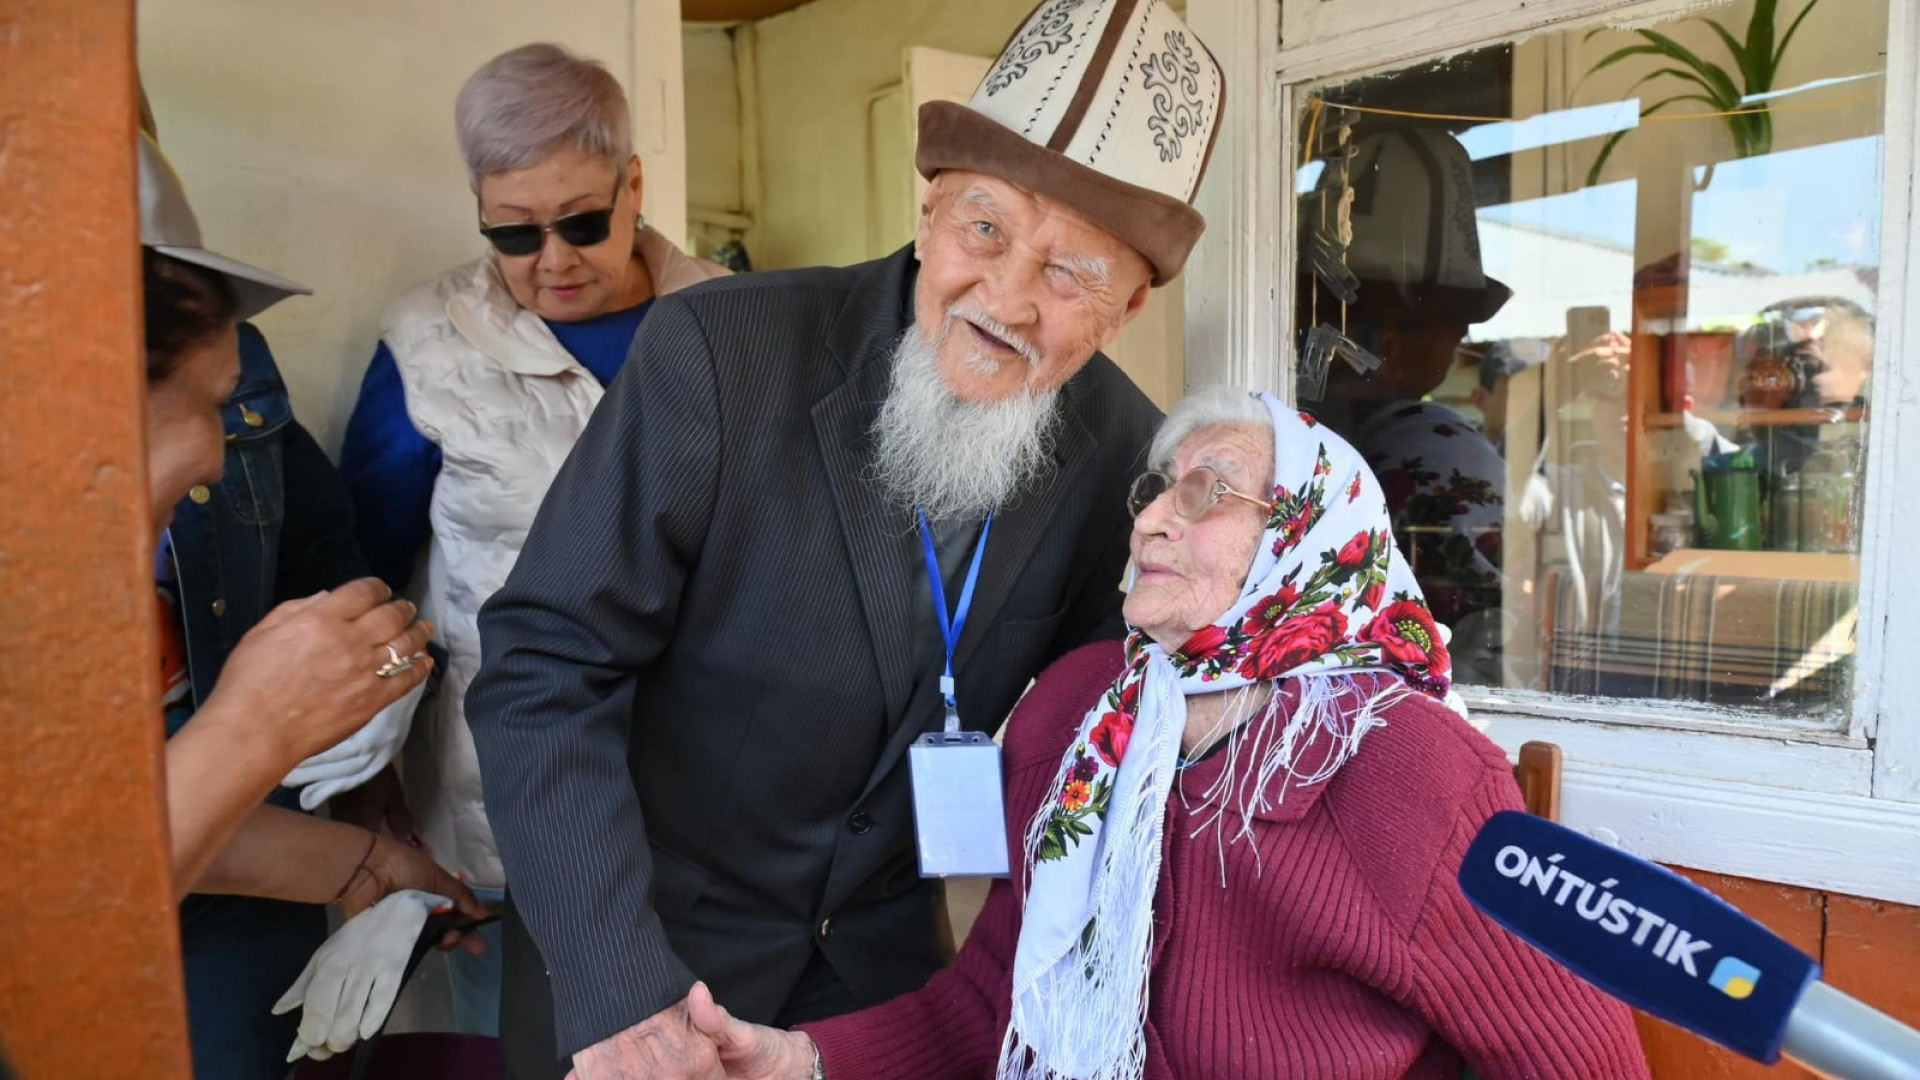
<point>580,230</point>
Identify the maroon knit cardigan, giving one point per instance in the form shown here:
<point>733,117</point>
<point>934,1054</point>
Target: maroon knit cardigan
<point>1340,945</point>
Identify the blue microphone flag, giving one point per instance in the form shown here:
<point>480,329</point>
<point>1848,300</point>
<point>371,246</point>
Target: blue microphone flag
<point>1639,932</point>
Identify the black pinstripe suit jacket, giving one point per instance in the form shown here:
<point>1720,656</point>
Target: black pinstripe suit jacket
<point>697,686</point>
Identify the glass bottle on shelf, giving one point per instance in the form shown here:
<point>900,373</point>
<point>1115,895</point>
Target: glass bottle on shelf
<point>1828,489</point>
<point>1786,512</point>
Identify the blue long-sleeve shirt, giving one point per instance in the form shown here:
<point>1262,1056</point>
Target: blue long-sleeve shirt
<point>390,468</point>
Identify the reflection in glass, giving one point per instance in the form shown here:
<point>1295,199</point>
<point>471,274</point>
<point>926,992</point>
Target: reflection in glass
<point>1612,363</point>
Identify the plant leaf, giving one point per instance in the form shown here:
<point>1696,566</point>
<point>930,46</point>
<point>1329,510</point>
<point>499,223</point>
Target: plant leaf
<point>1787,38</point>
<point>1678,73</point>
<point>1717,80</point>
<point>1606,151</point>
<point>1742,56</point>
<point>1760,47</point>
<point>1613,58</point>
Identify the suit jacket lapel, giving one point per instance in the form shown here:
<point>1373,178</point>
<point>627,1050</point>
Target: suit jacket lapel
<point>871,528</point>
<point>862,339</point>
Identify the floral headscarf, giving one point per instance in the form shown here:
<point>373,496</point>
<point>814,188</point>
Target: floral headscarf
<point>1328,595</point>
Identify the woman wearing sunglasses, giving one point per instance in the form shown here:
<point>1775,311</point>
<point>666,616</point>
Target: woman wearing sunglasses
<point>1237,833</point>
<point>483,379</point>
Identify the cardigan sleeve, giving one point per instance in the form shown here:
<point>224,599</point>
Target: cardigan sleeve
<point>1510,1012</point>
<point>948,1030</point>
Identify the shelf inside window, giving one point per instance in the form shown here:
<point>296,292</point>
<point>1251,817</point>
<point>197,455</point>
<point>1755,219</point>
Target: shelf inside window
<point>1754,418</point>
<point>1779,565</point>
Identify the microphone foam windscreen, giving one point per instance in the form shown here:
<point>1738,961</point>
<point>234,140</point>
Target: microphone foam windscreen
<point>1638,931</point>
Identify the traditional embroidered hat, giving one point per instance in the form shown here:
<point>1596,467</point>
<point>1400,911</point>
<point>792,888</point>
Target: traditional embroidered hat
<point>1108,106</point>
<point>1413,222</point>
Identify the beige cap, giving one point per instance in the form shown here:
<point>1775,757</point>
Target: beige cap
<point>167,225</point>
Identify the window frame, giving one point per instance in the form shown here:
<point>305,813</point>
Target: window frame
<point>1837,811</point>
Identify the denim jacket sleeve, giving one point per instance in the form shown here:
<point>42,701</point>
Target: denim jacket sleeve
<point>319,547</point>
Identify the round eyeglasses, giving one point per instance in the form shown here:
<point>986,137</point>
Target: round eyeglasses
<point>1194,494</point>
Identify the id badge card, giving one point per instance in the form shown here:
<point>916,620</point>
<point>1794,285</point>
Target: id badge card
<point>959,807</point>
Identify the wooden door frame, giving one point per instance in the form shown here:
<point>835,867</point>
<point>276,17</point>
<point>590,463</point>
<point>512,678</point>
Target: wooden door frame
<point>90,982</point>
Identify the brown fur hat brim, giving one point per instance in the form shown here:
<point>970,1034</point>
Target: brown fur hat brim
<point>1161,228</point>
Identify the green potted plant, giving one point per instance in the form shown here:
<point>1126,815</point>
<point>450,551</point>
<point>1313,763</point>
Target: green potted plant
<point>1736,100</point>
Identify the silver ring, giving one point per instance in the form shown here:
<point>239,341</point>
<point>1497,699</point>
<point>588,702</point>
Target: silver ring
<point>399,665</point>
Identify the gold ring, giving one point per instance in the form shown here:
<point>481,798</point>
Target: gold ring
<point>399,665</point>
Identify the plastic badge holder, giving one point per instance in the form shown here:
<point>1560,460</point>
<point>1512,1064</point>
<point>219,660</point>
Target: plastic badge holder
<point>959,806</point>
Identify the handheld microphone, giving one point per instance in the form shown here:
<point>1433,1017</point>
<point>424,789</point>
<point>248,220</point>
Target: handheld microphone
<point>1664,945</point>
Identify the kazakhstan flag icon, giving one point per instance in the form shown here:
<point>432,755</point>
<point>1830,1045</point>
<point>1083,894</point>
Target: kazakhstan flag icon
<point>1734,977</point>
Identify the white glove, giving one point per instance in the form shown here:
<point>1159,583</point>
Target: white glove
<point>353,761</point>
<point>350,983</point>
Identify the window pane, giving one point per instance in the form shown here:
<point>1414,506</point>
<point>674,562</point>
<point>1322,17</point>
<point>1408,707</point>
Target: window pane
<point>1599,308</point>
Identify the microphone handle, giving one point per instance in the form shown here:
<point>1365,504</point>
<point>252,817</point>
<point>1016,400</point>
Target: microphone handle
<point>1840,1037</point>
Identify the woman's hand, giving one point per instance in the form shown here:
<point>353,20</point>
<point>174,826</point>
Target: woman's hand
<point>308,673</point>
<point>391,866</point>
<point>750,1051</point>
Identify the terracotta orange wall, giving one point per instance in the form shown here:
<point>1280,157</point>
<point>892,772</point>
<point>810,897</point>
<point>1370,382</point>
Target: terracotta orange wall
<point>1870,949</point>
<point>89,953</point>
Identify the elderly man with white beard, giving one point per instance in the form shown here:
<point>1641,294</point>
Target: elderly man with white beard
<point>820,513</point>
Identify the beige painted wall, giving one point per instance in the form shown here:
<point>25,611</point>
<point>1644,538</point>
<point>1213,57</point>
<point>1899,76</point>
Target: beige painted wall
<point>317,139</point>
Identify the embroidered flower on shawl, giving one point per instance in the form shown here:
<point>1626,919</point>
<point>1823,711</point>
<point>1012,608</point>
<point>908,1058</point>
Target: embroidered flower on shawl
<point>1408,638</point>
<point>1110,737</point>
<point>1299,639</point>
<point>1076,795</point>
<point>1204,646</point>
<point>1356,552</point>
<point>1353,489</point>
<point>1271,610</point>
<point>1371,596</point>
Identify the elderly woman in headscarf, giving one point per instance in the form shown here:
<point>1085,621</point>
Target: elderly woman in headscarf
<point>1238,832</point>
<point>483,380</point>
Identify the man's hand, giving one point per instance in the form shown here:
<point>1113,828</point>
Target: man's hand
<point>664,1046</point>
<point>749,1051</point>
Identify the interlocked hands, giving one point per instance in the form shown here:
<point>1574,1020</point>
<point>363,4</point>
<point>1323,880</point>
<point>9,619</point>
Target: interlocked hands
<point>696,1039</point>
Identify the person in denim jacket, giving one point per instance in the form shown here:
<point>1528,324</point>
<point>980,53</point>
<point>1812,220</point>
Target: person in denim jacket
<point>278,526</point>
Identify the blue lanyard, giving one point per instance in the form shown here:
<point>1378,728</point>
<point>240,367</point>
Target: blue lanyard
<point>951,627</point>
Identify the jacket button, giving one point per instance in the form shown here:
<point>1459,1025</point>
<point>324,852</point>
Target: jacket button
<point>251,418</point>
<point>860,824</point>
<point>219,607</point>
<point>199,494</point>
<point>826,927</point>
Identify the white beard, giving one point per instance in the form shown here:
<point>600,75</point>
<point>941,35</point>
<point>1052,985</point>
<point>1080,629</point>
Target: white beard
<point>954,459</point>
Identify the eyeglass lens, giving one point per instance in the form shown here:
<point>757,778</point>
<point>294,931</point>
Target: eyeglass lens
<point>578,230</point>
<point>1193,494</point>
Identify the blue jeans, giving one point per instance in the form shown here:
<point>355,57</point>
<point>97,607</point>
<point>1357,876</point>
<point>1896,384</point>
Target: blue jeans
<point>475,980</point>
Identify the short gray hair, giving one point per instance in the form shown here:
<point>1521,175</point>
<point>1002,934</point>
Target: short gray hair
<point>528,103</point>
<point>1206,407</point>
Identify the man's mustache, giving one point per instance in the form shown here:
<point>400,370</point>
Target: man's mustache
<point>1013,338</point>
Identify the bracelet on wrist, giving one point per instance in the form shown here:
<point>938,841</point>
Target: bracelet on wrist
<point>359,868</point>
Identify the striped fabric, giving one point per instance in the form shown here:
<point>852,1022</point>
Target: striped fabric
<point>1783,646</point>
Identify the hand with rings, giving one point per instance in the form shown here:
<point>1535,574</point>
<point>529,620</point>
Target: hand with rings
<point>316,669</point>
<point>395,665</point>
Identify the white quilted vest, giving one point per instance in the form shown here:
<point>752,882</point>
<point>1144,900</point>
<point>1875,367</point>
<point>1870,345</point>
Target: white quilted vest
<point>488,383</point>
